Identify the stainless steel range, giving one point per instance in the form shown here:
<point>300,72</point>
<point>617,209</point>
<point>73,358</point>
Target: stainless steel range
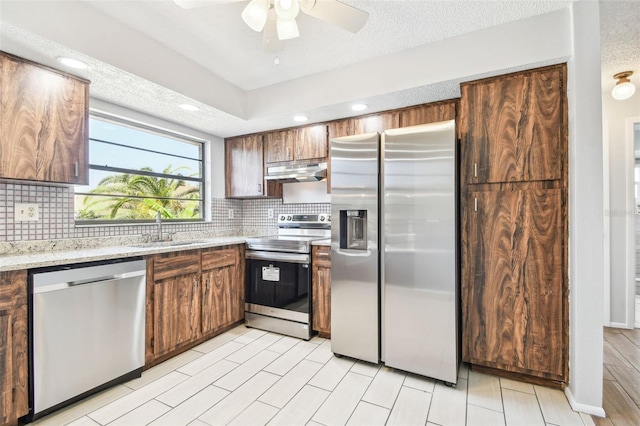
<point>278,275</point>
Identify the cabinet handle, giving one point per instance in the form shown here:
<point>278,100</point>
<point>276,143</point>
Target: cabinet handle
<point>322,254</point>
<point>75,168</point>
<point>475,170</point>
<point>259,188</point>
<point>475,204</point>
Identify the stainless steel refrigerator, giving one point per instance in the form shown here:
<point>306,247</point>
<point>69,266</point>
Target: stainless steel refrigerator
<point>394,263</point>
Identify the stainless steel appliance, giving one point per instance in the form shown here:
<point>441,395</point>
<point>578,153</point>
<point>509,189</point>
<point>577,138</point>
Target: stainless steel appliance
<point>87,330</point>
<point>278,275</point>
<point>398,304</point>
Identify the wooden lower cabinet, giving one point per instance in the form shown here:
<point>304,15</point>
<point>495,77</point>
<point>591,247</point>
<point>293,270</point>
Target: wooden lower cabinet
<point>176,300</point>
<point>14,396</point>
<point>321,290</point>
<point>222,288</point>
<point>514,292</point>
<point>192,296</point>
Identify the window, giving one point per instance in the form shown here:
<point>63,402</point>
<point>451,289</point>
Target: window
<point>136,172</point>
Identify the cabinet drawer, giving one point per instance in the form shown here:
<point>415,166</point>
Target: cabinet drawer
<point>176,265</point>
<point>213,259</point>
<point>322,256</point>
<point>13,289</point>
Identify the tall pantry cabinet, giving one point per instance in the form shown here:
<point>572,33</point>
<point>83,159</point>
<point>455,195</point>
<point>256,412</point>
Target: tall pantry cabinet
<point>513,132</point>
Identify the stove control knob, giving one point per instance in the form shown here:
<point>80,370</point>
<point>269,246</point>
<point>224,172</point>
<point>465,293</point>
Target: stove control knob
<point>282,218</point>
<point>289,218</point>
<point>321,218</point>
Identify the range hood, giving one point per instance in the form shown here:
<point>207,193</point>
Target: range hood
<point>297,173</point>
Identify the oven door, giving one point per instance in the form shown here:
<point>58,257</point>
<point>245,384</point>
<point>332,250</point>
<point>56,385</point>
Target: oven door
<point>278,285</point>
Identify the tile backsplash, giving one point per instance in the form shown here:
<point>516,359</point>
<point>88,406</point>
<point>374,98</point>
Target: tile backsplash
<point>56,216</point>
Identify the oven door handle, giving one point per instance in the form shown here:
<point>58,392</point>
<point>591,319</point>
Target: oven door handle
<point>278,257</point>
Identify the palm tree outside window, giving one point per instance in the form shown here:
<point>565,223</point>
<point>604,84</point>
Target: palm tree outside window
<point>136,171</point>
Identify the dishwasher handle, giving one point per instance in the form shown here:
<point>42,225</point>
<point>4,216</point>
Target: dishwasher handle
<point>44,288</point>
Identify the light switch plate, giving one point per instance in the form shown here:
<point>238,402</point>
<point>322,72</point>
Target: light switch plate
<point>26,212</point>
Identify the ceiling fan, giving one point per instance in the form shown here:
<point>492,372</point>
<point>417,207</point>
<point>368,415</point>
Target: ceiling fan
<point>277,18</point>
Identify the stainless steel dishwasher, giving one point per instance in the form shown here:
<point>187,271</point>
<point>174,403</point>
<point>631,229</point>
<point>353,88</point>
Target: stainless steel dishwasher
<point>87,328</point>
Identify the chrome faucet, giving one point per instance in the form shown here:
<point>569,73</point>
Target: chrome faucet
<point>159,225</point>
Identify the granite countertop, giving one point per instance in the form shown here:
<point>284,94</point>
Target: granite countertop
<point>325,242</point>
<point>36,254</point>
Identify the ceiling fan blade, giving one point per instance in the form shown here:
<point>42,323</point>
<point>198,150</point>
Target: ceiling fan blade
<point>336,13</point>
<point>192,4</point>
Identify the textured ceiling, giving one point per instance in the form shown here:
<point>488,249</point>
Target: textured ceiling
<point>229,60</point>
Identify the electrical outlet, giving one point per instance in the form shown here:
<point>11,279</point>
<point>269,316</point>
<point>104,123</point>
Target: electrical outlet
<point>26,212</point>
<point>270,214</point>
<point>230,213</point>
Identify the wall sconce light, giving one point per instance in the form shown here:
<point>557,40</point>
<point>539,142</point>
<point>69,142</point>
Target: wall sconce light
<point>624,88</point>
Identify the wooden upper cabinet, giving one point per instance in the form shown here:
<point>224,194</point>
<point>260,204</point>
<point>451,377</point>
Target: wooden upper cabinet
<point>244,169</point>
<point>279,146</point>
<point>366,124</point>
<point>43,123</point>
<point>512,127</point>
<point>311,142</point>
<point>428,113</point>
<point>513,289</point>
<point>298,144</point>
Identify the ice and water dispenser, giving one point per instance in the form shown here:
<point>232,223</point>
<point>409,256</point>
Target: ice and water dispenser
<point>353,229</point>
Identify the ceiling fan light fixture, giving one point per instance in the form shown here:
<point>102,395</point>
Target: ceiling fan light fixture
<point>286,9</point>
<point>287,29</point>
<point>624,88</point>
<point>255,14</point>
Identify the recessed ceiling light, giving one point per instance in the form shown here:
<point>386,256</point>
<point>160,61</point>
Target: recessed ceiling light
<point>300,118</point>
<point>189,107</point>
<point>73,63</point>
<point>359,107</point>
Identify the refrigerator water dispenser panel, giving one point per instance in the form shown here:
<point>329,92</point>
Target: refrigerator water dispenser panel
<point>353,229</point>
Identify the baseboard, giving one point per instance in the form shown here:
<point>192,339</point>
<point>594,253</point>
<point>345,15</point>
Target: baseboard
<point>620,325</point>
<point>583,408</point>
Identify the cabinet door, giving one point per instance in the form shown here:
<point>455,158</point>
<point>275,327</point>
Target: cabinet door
<point>311,142</point>
<point>512,127</point>
<point>43,129</point>
<point>366,124</point>
<point>244,168</point>
<point>513,289</point>
<point>321,290</point>
<point>176,312</point>
<point>14,396</point>
<point>279,146</point>
<point>219,302</point>
<point>428,113</point>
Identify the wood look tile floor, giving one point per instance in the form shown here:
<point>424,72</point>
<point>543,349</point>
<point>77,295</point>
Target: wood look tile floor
<point>251,377</point>
<point>621,390</point>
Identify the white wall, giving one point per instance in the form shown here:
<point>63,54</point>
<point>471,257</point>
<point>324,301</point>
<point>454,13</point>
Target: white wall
<point>616,115</point>
<point>586,231</point>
